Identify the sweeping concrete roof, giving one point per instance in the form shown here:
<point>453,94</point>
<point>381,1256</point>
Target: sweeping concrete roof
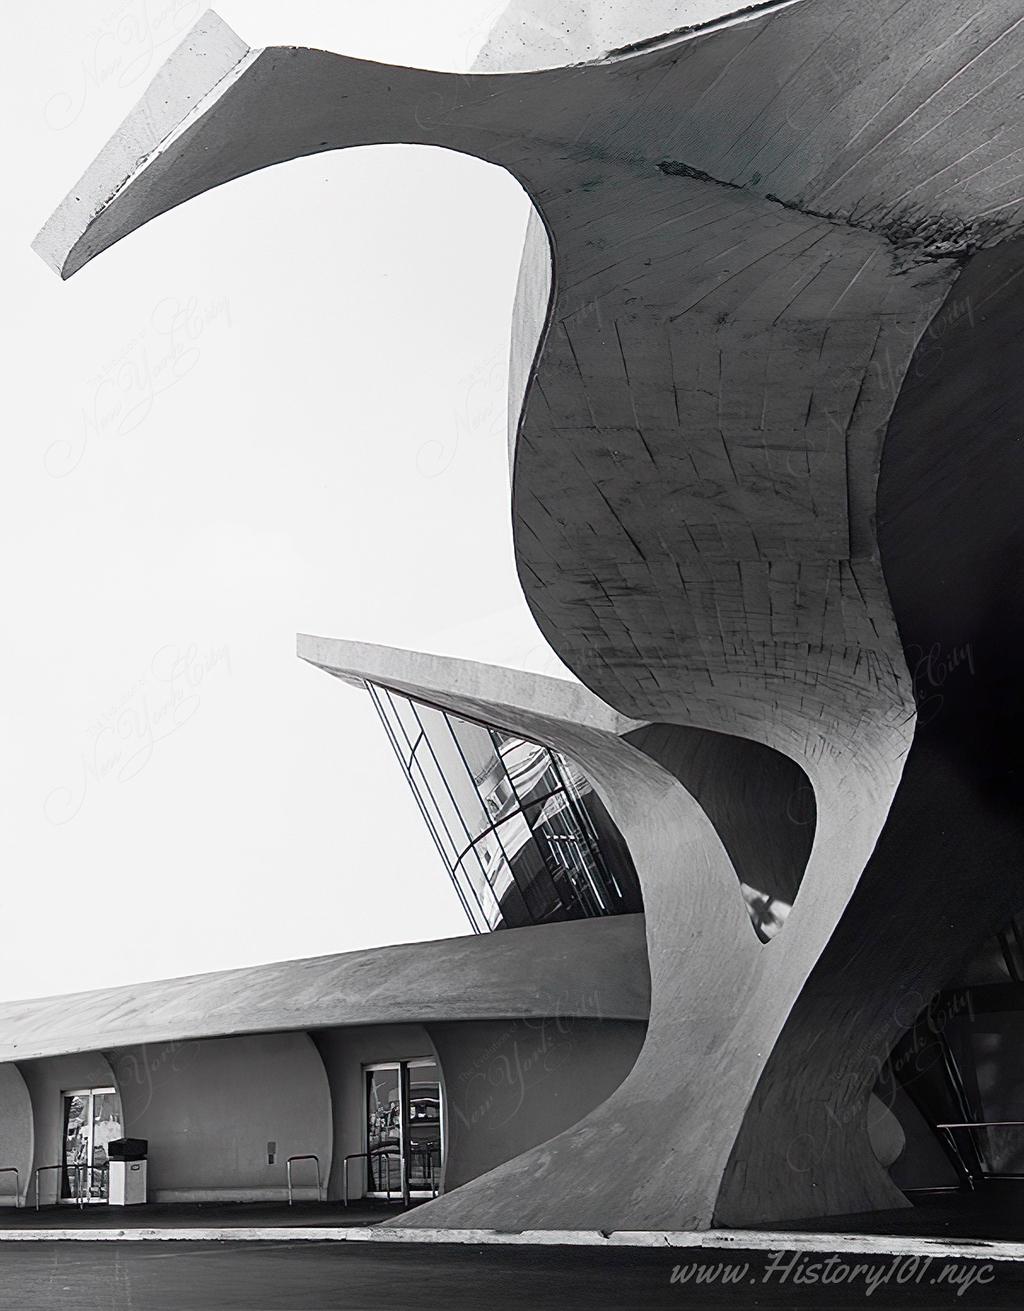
<point>593,969</point>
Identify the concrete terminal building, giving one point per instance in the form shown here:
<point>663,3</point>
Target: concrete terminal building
<point>746,896</point>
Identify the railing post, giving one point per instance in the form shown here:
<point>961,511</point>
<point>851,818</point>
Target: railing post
<point>958,1156</point>
<point>306,1156</point>
<point>41,1169</point>
<point>381,1154</point>
<point>13,1169</point>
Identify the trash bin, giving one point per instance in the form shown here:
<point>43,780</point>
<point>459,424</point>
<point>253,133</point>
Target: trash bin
<point>127,1171</point>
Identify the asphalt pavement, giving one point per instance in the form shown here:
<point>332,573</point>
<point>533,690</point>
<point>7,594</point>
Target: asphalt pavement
<point>271,1276</point>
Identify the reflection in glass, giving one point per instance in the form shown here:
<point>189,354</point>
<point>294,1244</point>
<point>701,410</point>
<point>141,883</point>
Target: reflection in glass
<point>522,832</point>
<point>424,1127</point>
<point>383,1129</point>
<point>76,1141</point>
<point>92,1117</point>
<point>404,1122</point>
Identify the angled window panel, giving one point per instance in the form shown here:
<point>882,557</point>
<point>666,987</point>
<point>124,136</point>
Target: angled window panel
<point>404,721</point>
<point>455,773</point>
<point>569,856</point>
<point>529,768</point>
<point>430,780</point>
<point>510,819</point>
<point>471,874</point>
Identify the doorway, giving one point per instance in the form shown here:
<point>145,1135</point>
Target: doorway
<point>404,1129</point>
<point>91,1118</point>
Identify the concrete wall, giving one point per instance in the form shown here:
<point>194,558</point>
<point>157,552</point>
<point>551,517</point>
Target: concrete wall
<point>922,1163</point>
<point>210,1107</point>
<point>46,1081</point>
<point>510,1085</point>
<point>344,1052</point>
<point>16,1133</point>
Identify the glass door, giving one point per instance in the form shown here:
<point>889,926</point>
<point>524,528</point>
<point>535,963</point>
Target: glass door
<point>383,1130</point>
<point>91,1118</point>
<point>404,1129</point>
<point>424,1128</point>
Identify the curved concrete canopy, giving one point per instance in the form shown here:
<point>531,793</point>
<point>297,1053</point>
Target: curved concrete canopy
<point>533,34</point>
<point>752,228</point>
<point>660,1145</point>
<point>721,256</point>
<point>637,1156</point>
<point>593,969</point>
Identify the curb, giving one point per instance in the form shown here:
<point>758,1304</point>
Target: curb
<point>745,1240</point>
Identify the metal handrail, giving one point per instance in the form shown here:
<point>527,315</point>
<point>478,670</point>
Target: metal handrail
<point>88,1169</point>
<point>984,1124</point>
<point>13,1169</point>
<point>428,1150</point>
<point>434,1171</point>
<point>375,1151</point>
<point>38,1171</point>
<point>307,1156</point>
<point>950,1139</point>
<point>76,1168</point>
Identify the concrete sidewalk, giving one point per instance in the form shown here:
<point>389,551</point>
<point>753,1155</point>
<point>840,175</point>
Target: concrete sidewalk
<point>704,1245</point>
<point>198,1215</point>
<point>984,1225</point>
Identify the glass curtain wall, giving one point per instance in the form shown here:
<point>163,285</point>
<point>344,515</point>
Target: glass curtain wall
<point>522,832</point>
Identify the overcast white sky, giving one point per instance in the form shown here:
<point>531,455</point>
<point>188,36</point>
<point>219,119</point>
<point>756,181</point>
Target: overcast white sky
<point>278,408</point>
